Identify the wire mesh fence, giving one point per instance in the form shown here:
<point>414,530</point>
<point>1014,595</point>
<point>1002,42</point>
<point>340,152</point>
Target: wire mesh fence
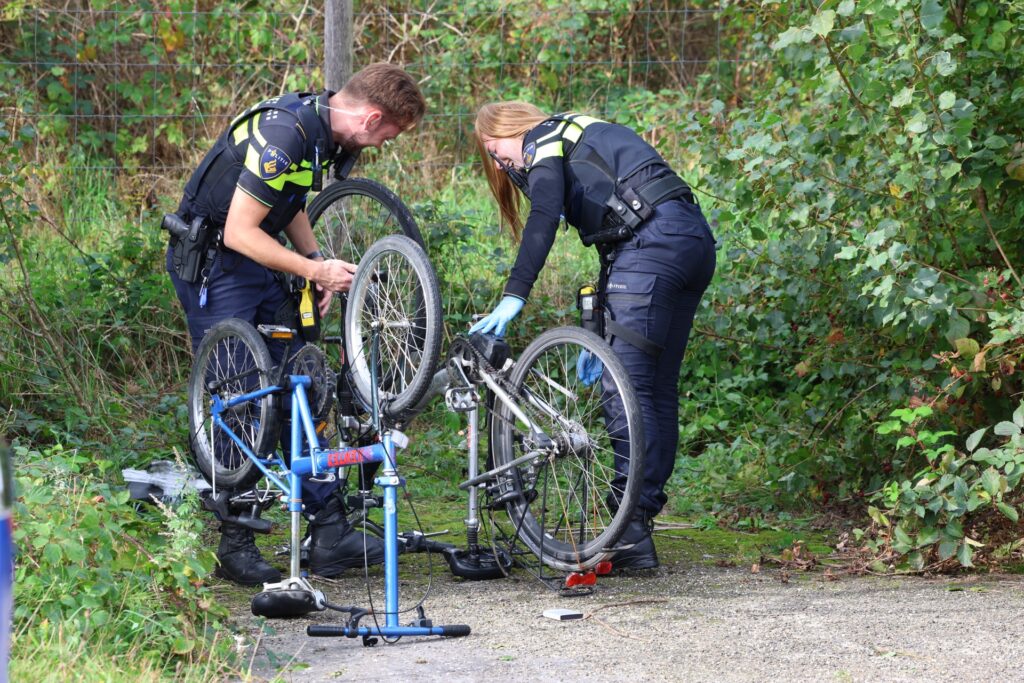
<point>145,87</point>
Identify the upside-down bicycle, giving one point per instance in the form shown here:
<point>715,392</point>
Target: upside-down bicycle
<point>563,459</point>
<point>349,216</point>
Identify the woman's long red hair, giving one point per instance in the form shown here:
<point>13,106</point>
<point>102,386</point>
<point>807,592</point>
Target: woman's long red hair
<point>505,120</point>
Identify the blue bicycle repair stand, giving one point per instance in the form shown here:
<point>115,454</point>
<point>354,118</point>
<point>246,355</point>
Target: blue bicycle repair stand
<point>294,596</point>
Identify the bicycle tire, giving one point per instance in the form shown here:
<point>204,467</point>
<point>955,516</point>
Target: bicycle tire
<point>235,355</point>
<point>347,218</point>
<point>345,231</point>
<point>561,508</point>
<point>395,289</point>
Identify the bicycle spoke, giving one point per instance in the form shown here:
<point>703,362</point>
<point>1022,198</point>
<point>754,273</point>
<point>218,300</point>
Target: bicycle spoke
<point>232,360</point>
<point>571,504</point>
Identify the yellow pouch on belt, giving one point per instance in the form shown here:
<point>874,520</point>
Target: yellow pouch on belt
<point>309,313</point>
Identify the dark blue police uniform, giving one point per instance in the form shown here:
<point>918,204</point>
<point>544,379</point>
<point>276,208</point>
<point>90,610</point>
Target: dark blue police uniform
<point>268,152</point>
<point>654,273</point>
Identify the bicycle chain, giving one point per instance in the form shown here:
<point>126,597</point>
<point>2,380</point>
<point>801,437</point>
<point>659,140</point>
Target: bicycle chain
<point>457,350</point>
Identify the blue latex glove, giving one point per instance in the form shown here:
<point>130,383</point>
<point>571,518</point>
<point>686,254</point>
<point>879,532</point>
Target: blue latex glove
<point>588,368</point>
<point>500,317</point>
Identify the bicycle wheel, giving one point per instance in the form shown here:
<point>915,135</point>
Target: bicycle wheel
<point>232,360</point>
<point>574,497</point>
<point>348,217</point>
<point>395,300</point>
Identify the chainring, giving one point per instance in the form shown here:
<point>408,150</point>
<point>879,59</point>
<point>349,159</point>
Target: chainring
<point>311,361</point>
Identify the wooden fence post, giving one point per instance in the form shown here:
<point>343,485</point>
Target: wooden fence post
<point>337,43</point>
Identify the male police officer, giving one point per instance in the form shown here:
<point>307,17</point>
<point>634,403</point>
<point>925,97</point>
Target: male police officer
<point>253,184</point>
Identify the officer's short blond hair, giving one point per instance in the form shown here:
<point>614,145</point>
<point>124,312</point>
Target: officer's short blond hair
<point>389,88</point>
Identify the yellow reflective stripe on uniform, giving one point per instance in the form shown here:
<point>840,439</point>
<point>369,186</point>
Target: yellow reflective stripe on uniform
<point>552,134</point>
<point>235,121</point>
<point>301,178</point>
<point>548,149</point>
<point>577,122</point>
<point>256,130</point>
<point>240,134</point>
<point>252,160</point>
<point>572,133</point>
<point>584,121</point>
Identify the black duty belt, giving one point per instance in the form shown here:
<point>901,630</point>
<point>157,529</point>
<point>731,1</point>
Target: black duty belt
<point>662,189</point>
<point>631,206</point>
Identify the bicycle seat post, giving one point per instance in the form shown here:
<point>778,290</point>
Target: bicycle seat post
<point>472,518</point>
<point>301,428</point>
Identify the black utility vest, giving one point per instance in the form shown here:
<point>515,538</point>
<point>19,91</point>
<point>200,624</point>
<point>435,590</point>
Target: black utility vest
<point>601,160</point>
<point>210,189</point>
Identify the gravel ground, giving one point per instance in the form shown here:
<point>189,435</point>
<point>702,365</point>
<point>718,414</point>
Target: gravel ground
<point>681,623</point>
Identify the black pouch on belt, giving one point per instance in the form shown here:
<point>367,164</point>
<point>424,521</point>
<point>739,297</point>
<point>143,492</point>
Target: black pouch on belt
<point>588,303</point>
<point>299,310</point>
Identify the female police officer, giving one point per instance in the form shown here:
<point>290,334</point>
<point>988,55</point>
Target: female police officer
<point>657,256</point>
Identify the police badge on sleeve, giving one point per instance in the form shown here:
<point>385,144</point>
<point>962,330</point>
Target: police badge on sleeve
<point>529,154</point>
<point>273,162</point>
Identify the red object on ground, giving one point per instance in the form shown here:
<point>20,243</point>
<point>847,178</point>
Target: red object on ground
<point>580,579</point>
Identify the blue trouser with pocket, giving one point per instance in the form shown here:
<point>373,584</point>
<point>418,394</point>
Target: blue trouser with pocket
<point>653,285</point>
<point>239,287</point>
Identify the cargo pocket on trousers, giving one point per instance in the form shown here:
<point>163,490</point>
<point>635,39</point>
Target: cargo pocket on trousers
<point>628,297</point>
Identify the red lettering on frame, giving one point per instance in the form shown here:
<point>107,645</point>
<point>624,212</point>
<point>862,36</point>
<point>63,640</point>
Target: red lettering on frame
<point>354,456</point>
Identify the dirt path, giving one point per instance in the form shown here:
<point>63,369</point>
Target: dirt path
<point>683,623</point>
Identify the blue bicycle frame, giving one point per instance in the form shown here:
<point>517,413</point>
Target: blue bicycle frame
<point>319,461</point>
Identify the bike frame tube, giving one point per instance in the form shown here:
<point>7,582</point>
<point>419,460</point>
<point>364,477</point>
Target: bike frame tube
<point>507,400</point>
<point>472,519</point>
<point>216,409</point>
<point>320,460</point>
<point>302,421</point>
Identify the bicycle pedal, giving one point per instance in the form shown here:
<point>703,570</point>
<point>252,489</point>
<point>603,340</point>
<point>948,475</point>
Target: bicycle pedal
<point>461,400</point>
<point>221,506</point>
<point>276,331</point>
<point>357,502</point>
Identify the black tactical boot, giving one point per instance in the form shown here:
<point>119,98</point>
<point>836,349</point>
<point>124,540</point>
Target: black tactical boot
<point>336,545</point>
<point>638,534</point>
<point>239,559</point>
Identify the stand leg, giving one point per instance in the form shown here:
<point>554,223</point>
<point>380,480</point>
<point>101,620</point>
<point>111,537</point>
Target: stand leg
<point>295,512</point>
<point>389,481</point>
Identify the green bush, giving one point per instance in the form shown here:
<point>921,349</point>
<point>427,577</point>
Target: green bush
<point>868,198</point>
<point>960,504</point>
<point>91,568</point>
